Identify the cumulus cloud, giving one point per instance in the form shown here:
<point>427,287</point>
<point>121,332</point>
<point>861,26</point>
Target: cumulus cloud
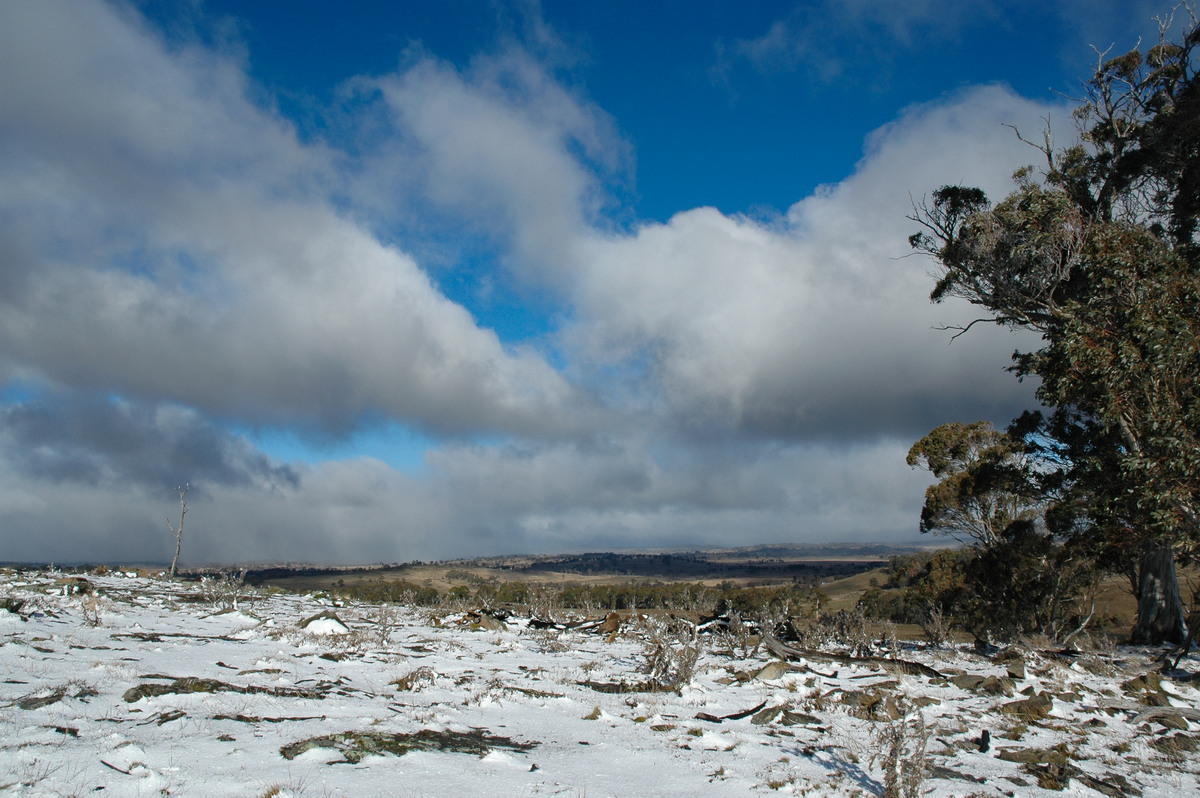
<point>813,326</point>
<point>174,260</point>
<point>164,237</point>
<point>504,147</point>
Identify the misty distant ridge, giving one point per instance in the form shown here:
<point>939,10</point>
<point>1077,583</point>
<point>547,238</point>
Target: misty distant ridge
<point>758,550</point>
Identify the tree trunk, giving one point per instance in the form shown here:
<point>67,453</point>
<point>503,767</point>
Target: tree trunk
<point>1160,610</point>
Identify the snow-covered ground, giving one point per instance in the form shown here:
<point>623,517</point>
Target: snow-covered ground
<point>147,687</point>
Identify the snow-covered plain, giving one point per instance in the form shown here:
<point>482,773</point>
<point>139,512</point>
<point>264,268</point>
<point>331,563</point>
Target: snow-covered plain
<point>147,687</point>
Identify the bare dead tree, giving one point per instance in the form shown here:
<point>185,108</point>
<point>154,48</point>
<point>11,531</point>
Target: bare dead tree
<point>177,531</point>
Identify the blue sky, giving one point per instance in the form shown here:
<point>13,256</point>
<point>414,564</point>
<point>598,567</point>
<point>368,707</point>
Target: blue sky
<point>419,280</point>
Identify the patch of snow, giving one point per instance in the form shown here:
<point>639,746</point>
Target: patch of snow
<point>256,689</point>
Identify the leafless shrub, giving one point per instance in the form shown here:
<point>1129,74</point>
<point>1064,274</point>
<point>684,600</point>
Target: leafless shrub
<point>223,591</point>
<point>672,649</point>
<point>549,641</point>
<point>844,628</point>
<point>902,743</point>
<point>414,680</point>
<point>93,607</point>
<point>937,628</point>
<point>889,639</point>
<point>736,636</point>
<point>381,619</point>
<point>541,601</point>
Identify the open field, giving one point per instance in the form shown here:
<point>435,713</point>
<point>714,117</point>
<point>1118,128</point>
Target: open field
<point>136,686</point>
<point>750,566</point>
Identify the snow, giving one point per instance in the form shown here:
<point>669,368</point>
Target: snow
<point>72,722</point>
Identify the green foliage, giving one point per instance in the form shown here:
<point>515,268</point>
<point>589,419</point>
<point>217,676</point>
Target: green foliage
<point>1025,583</point>
<point>397,592</point>
<point>984,481</point>
<point>1100,256</point>
<point>919,584</point>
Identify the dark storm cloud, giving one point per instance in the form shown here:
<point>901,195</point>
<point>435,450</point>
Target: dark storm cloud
<point>99,441</point>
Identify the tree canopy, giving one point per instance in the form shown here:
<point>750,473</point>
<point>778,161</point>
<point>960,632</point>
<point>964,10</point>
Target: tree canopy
<point>1098,252</point>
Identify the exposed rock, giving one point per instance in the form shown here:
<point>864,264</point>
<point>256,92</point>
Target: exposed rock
<point>872,704</point>
<point>1177,744</point>
<point>1147,682</point>
<point>611,624</point>
<point>1052,776</point>
<point>790,718</point>
<point>998,685</point>
<point>773,670</point>
<point>745,713</point>
<point>967,681</point>
<point>1036,707</point>
<point>1148,690</point>
<point>939,772</point>
<point>354,746</point>
<point>1174,722</point>
<point>74,586</point>
<point>415,679</point>
<point>193,684</point>
<point>325,623</point>
<point>1058,755</point>
<point>42,699</point>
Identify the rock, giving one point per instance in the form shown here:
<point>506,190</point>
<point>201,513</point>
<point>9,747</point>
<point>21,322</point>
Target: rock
<point>1016,669</point>
<point>1057,755</point>
<point>324,623</point>
<point>790,718</point>
<point>611,624</point>
<point>1173,722</point>
<point>1036,707</point>
<point>1001,685</point>
<point>1053,775</point>
<point>488,624</point>
<point>74,586</point>
<point>773,670</point>
<point>1150,681</point>
<point>967,681</point>
<point>872,705</point>
<point>939,772</point>
<point>1148,690</point>
<point>1177,744</point>
<point>765,716</point>
<point>1115,785</point>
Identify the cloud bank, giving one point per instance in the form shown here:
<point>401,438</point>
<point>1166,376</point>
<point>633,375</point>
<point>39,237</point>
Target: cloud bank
<point>178,263</point>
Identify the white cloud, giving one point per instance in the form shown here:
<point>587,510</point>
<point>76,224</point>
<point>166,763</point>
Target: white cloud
<point>165,237</point>
<point>833,38</point>
<point>507,149</point>
<point>812,326</point>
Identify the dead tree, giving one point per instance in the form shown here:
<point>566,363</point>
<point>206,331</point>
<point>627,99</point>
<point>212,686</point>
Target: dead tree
<point>177,531</point>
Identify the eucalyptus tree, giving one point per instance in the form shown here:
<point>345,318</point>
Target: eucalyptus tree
<point>1097,251</point>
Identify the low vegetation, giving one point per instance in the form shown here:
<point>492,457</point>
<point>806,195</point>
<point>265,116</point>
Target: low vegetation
<point>791,690</point>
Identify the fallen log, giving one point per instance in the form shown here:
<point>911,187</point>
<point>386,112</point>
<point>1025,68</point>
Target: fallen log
<point>784,651</point>
<point>745,713</point>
